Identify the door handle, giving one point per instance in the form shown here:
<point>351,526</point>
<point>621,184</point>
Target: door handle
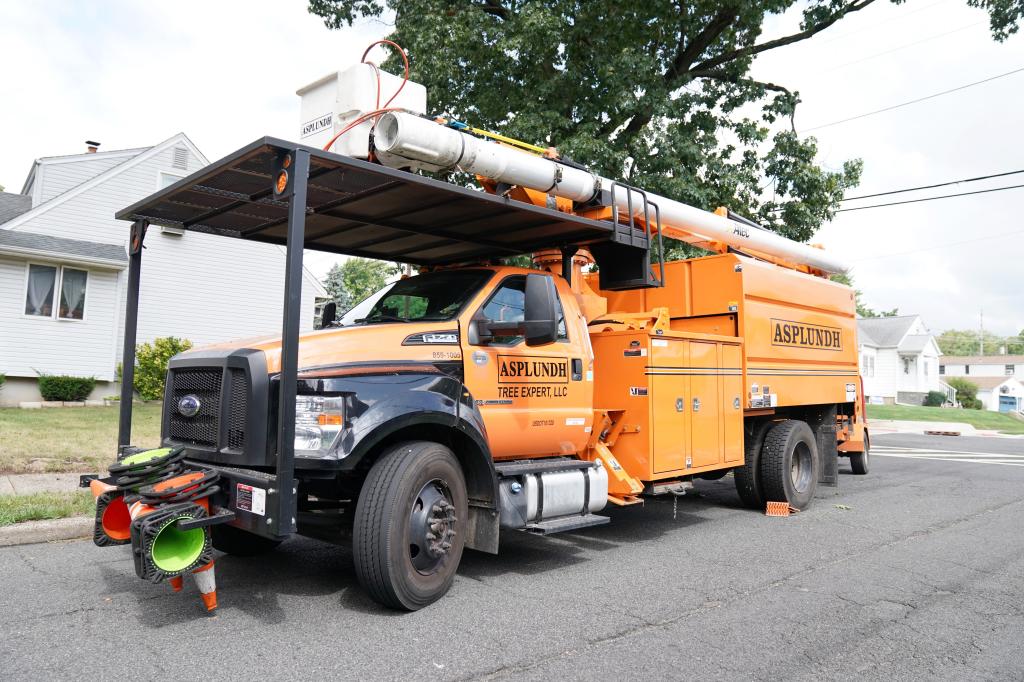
<point>696,404</point>
<point>680,405</point>
<point>577,369</point>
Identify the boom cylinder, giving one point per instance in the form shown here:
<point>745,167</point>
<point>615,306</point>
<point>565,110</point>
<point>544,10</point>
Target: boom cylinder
<point>404,137</point>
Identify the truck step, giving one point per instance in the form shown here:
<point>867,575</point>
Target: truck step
<point>566,523</point>
<point>541,466</point>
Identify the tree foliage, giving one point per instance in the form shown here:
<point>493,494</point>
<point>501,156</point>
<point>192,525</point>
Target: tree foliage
<point>356,278</point>
<point>151,365</point>
<point>968,342</point>
<point>966,392</point>
<point>655,92</point>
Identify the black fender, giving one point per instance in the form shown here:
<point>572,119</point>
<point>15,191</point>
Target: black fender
<point>388,408</point>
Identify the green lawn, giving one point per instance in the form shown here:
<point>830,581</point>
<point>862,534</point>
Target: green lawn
<point>69,438</point>
<point>979,419</point>
<point>37,506</point>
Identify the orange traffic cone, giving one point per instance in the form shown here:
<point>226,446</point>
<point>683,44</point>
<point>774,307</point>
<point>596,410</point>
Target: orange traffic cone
<point>206,581</point>
<point>113,524</point>
<point>176,583</point>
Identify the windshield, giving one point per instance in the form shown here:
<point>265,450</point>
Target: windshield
<point>434,296</point>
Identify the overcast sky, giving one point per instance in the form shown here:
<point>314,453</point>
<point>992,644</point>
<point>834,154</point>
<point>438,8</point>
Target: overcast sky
<point>132,74</point>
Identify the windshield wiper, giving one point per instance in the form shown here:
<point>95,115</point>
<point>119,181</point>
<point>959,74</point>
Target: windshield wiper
<point>384,317</point>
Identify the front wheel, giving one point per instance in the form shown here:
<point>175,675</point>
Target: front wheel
<point>410,525</point>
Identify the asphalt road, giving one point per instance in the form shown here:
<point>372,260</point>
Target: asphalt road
<point>913,572</point>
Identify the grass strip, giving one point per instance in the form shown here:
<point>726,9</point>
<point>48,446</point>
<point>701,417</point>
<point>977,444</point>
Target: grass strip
<point>49,505</point>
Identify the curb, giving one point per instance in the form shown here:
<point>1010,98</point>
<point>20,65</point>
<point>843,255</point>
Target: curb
<point>50,530</point>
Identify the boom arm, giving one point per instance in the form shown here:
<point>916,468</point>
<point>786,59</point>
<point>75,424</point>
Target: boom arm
<point>402,138</point>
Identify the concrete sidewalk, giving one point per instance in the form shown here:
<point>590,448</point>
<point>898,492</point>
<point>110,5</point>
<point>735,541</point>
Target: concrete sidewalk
<point>26,484</point>
<point>904,426</point>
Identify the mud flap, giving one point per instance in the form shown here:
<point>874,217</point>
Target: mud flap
<point>828,455</point>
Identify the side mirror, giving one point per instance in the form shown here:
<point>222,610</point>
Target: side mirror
<point>329,314</point>
<point>540,323</point>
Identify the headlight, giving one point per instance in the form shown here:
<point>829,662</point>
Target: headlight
<point>319,421</point>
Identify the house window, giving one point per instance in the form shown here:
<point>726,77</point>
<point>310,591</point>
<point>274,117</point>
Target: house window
<point>167,179</point>
<point>906,365</point>
<point>53,291</point>
<point>967,369</point>
<point>42,280</point>
<point>942,369</point>
<point>1009,370</point>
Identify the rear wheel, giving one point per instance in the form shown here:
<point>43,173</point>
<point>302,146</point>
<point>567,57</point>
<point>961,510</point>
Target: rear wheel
<point>860,461</point>
<point>748,476</point>
<point>410,525</point>
<point>789,464</point>
<point>231,540</point>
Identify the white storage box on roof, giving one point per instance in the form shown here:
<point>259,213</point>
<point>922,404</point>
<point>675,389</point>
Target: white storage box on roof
<point>332,102</point>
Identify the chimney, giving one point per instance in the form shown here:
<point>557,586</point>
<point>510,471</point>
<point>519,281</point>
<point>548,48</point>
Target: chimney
<point>91,147</point>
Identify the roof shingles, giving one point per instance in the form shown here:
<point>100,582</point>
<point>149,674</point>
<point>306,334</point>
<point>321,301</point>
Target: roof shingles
<point>59,247</point>
<point>13,205</point>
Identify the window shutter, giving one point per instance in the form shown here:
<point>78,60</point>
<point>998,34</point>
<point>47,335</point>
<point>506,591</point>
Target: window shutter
<point>180,158</point>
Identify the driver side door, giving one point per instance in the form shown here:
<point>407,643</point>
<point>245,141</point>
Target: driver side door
<point>533,399</point>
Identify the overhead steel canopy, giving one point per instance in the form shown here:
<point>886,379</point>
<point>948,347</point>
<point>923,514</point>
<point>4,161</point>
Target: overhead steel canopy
<point>363,209</point>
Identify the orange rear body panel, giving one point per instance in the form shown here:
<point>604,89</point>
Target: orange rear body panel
<point>740,336</point>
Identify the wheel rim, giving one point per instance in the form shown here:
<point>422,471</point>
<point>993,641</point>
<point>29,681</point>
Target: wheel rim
<point>801,468</point>
<point>431,527</point>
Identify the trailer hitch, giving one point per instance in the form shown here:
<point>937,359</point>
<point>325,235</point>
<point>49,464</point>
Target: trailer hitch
<point>224,516</point>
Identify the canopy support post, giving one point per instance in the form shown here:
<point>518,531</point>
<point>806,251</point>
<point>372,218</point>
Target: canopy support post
<point>131,323</point>
<point>297,164</point>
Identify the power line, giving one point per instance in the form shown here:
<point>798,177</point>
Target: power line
<point>913,101</point>
<point>940,246</point>
<point>896,49</point>
<point>900,17</point>
<point>941,184</point>
<point>942,196</point>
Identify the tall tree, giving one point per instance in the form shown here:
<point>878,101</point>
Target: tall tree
<point>653,92</point>
<point>353,280</point>
<point>968,342</point>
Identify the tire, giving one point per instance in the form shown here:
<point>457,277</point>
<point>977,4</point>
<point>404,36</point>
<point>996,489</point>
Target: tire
<point>790,465</point>
<point>237,542</point>
<point>860,462</point>
<point>748,476</point>
<point>402,560</point>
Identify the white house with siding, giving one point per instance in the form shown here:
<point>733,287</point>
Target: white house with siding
<point>999,378</point>
<point>63,270</point>
<point>899,360</point>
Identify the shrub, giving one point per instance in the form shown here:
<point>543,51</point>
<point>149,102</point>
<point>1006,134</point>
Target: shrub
<point>966,392</point>
<point>65,388</point>
<point>3,379</point>
<point>934,399</point>
<point>151,365</point>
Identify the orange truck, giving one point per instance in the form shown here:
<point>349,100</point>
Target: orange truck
<point>477,397</point>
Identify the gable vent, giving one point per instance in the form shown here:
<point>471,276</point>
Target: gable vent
<point>181,158</point>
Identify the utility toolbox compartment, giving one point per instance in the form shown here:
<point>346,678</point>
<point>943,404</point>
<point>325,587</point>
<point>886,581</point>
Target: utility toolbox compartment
<point>682,396</point>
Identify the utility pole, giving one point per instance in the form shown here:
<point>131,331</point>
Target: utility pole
<point>981,336</point>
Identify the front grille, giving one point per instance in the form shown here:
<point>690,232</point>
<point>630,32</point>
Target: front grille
<point>237,410</point>
<point>202,429</point>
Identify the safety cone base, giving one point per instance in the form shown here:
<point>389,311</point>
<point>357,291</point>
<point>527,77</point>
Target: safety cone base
<point>195,547</point>
<point>113,523</point>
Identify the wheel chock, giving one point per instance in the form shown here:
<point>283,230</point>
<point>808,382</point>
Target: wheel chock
<point>779,509</point>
